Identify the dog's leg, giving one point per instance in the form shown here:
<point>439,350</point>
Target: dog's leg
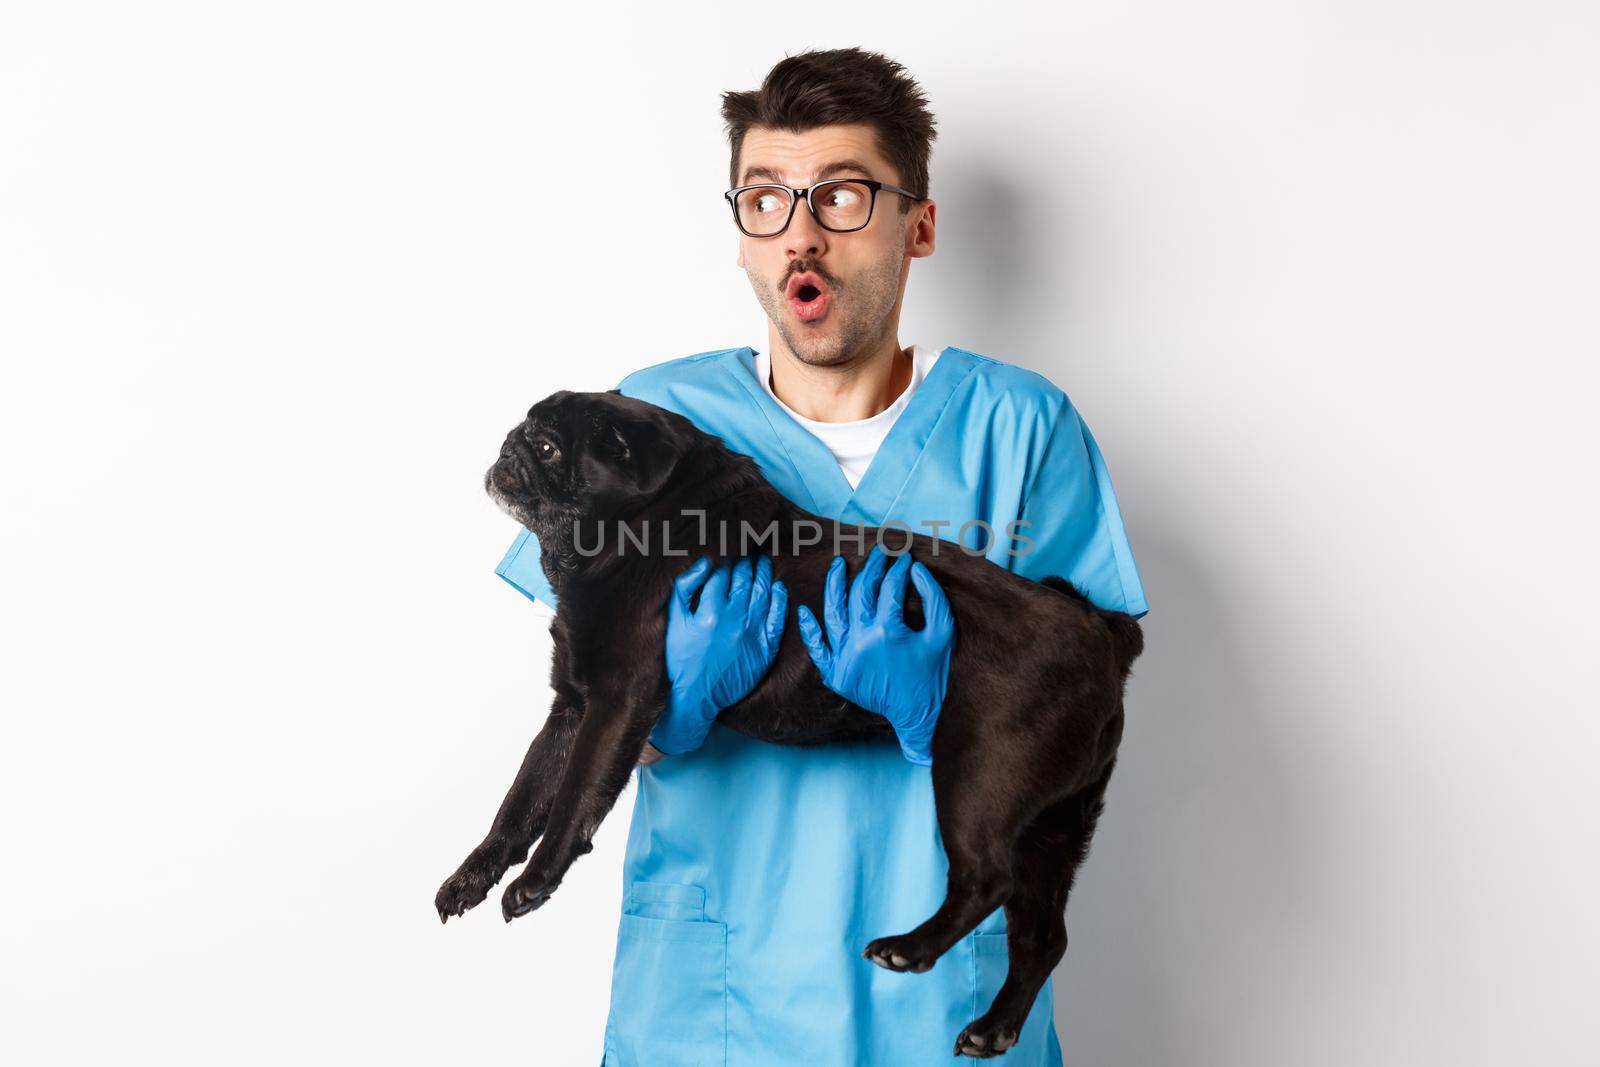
<point>526,807</point>
<point>1047,858</point>
<point>609,740</point>
<point>979,829</point>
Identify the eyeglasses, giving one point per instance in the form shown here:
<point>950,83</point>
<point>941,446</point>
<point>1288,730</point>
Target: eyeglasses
<point>839,204</point>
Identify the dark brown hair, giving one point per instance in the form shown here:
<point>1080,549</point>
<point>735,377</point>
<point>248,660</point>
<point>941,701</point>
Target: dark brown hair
<point>837,86</point>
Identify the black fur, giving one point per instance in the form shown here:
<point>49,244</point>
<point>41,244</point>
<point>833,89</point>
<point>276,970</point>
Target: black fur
<point>1026,739</point>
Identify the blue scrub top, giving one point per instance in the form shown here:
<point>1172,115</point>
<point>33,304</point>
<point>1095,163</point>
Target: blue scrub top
<point>756,873</point>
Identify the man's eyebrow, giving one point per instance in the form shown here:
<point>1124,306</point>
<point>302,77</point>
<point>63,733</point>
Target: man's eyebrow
<point>754,174</point>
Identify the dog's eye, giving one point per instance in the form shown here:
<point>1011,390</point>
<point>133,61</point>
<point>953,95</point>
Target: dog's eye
<point>545,450</point>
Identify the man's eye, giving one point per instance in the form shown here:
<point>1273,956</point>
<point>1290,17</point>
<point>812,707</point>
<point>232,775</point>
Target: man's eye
<point>766,202</point>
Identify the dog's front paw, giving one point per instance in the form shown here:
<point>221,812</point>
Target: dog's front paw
<point>469,885</point>
<point>900,954</point>
<point>524,895</point>
<point>983,1039</point>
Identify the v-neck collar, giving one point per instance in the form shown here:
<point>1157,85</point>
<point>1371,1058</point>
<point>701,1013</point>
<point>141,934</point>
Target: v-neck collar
<point>817,469</point>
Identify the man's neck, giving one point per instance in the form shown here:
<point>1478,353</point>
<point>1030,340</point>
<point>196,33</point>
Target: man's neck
<point>846,393</point>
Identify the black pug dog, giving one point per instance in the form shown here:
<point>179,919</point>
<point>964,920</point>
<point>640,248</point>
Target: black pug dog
<point>1026,739</point>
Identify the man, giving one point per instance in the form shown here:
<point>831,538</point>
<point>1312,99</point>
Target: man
<point>756,873</point>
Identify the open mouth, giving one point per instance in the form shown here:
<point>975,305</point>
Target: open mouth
<point>809,301</point>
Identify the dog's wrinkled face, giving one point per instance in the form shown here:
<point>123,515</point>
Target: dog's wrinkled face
<point>584,456</point>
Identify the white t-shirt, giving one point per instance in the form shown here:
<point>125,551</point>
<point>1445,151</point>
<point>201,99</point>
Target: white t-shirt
<point>854,444</point>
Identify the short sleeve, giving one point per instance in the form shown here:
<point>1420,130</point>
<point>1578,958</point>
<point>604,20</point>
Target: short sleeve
<point>521,568</point>
<point>1070,516</point>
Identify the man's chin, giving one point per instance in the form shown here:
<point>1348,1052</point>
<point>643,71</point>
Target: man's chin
<point>815,351</point>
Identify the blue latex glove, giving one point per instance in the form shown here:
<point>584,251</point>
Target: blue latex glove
<point>876,661</point>
<point>718,652</point>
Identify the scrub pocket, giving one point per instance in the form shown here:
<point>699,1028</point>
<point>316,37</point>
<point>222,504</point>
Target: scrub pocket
<point>991,960</point>
<point>669,984</point>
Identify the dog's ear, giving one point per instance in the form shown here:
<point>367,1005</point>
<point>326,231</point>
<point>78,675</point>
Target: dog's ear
<point>621,447</point>
<point>647,453</point>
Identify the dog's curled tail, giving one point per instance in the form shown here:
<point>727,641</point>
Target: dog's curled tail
<point>1125,629</point>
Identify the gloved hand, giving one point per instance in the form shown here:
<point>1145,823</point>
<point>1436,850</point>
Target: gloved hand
<point>718,652</point>
<point>876,661</point>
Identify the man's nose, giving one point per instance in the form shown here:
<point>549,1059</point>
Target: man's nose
<point>804,236</point>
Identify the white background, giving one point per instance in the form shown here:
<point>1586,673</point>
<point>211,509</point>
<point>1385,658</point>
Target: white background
<point>276,278</point>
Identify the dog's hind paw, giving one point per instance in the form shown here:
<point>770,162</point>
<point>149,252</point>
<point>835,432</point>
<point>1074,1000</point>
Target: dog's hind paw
<point>981,1040</point>
<point>899,954</point>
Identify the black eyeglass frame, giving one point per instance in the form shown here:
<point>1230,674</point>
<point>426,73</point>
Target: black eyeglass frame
<point>797,195</point>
